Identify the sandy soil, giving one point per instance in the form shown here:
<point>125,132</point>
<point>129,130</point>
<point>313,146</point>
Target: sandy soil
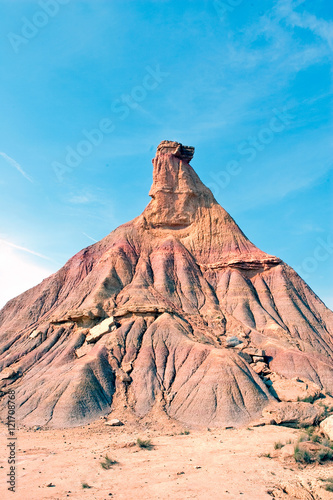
<point>216,464</point>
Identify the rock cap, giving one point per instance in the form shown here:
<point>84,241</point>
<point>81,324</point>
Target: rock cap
<point>177,149</point>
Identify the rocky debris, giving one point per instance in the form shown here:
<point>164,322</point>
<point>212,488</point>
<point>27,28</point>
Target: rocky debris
<point>84,317</point>
<point>245,356</point>
<point>254,352</point>
<point>292,490</point>
<point>114,422</point>
<point>83,350</point>
<point>287,452</point>
<point>295,389</point>
<point>175,148</point>
<point>232,341</point>
<point>291,414</point>
<point>260,367</point>
<point>327,427</point>
<point>106,326</point>
<point>35,334</point>
<point>123,377</point>
<point>256,357</point>
<point>181,278</point>
<point>8,373</point>
<point>146,309</point>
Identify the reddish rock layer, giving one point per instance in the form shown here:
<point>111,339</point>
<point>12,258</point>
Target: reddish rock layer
<point>179,280</point>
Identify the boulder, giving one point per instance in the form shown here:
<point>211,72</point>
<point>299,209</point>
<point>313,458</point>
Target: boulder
<point>253,351</point>
<point>259,367</point>
<point>106,326</point>
<point>8,373</point>
<point>292,414</point>
<point>287,451</point>
<point>233,341</point>
<point>83,350</point>
<point>327,427</point>
<point>257,359</point>
<point>114,422</point>
<point>35,334</point>
<point>295,389</point>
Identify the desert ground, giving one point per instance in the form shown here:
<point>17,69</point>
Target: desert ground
<point>182,464</point>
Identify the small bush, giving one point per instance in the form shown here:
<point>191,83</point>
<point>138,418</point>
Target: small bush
<point>325,454</point>
<point>315,438</point>
<point>302,456</point>
<point>186,432</point>
<point>329,487</point>
<point>302,438</point>
<point>144,444</point>
<point>108,463</point>
<point>278,445</point>
<point>309,399</point>
<point>327,442</point>
<point>85,485</point>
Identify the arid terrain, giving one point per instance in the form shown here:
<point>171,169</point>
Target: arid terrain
<point>204,464</point>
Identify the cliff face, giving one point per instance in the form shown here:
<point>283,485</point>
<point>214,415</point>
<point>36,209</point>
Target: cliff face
<point>195,307</point>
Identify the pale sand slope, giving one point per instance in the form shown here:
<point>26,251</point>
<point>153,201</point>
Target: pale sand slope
<point>221,464</point>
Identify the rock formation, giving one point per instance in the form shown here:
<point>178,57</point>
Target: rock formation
<point>175,312</point>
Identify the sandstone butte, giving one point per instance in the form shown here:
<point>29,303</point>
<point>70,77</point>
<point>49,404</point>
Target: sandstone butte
<point>174,312</point>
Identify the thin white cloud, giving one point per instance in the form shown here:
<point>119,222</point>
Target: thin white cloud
<point>90,238</point>
<point>80,199</point>
<point>24,249</point>
<point>305,20</point>
<point>16,165</point>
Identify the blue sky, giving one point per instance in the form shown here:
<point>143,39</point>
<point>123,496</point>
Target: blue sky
<point>249,84</point>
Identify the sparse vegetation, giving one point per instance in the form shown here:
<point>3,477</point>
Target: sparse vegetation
<point>308,399</point>
<point>309,430</point>
<point>108,463</point>
<point>186,432</point>
<point>302,438</point>
<point>327,410</point>
<point>315,438</point>
<point>302,456</point>
<point>321,455</point>
<point>311,446</point>
<point>85,485</point>
<point>145,444</point>
<point>329,483</point>
<point>325,454</point>
<point>327,442</point>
